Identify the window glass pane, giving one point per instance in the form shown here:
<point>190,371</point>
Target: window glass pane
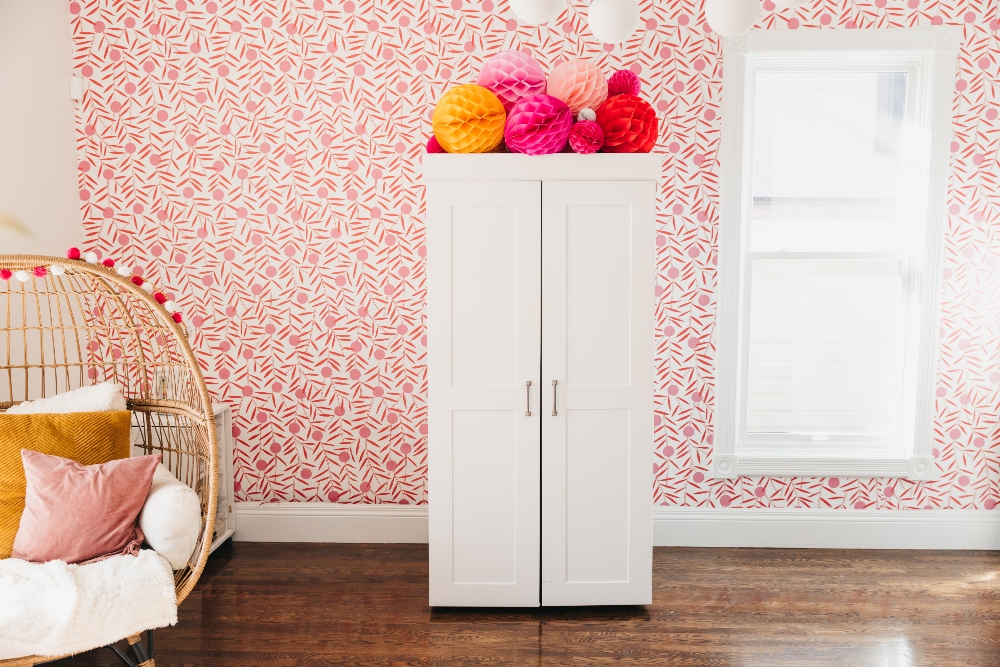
<point>829,160</point>
<point>826,347</point>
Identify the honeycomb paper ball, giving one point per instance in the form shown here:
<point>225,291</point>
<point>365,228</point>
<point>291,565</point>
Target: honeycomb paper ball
<point>578,83</point>
<point>468,119</point>
<point>538,125</point>
<point>629,123</point>
<point>586,137</point>
<point>433,146</point>
<point>511,75</point>
<point>624,82</point>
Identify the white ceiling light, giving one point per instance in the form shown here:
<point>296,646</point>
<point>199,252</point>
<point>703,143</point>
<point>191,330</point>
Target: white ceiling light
<point>787,4</point>
<point>613,21</point>
<point>535,12</point>
<point>730,18</point>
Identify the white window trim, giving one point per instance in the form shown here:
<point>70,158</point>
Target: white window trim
<point>941,46</point>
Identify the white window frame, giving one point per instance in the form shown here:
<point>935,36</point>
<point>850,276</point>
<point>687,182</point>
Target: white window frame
<point>932,53</point>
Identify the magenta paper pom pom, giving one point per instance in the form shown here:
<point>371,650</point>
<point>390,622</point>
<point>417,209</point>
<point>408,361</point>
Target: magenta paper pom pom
<point>538,125</point>
<point>624,82</point>
<point>586,137</point>
<point>511,75</point>
<point>578,83</point>
<point>433,146</point>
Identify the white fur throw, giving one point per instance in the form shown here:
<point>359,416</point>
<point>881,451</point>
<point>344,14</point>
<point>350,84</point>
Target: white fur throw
<point>52,609</point>
<point>104,397</point>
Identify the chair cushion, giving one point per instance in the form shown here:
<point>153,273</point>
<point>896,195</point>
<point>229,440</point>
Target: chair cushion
<point>171,518</point>
<point>77,513</point>
<point>85,437</point>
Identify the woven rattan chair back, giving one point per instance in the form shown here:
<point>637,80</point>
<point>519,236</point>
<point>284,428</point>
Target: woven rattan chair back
<point>91,325</point>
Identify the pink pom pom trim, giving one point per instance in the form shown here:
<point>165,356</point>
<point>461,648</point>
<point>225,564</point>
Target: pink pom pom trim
<point>73,253</point>
<point>6,274</point>
<point>110,263</point>
<point>137,281</point>
<point>160,298</point>
<point>177,318</point>
<point>40,271</point>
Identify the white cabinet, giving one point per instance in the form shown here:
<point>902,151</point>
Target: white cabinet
<point>225,519</point>
<point>540,368</point>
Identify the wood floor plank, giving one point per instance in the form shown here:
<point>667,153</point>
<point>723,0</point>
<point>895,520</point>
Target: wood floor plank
<point>319,605</point>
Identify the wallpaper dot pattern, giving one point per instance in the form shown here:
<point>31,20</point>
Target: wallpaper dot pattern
<point>261,161</point>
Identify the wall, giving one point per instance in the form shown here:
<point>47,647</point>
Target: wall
<point>263,161</point>
<point>37,157</point>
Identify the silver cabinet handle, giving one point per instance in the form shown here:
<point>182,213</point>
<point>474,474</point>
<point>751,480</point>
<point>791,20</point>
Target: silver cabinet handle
<point>555,413</point>
<point>527,398</point>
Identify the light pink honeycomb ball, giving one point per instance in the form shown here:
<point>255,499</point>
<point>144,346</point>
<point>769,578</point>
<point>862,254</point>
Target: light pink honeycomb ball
<point>511,75</point>
<point>579,83</point>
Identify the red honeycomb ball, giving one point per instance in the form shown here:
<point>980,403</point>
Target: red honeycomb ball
<point>629,123</point>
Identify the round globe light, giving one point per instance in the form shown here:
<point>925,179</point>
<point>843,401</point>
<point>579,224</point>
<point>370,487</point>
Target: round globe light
<point>787,4</point>
<point>730,18</point>
<point>536,12</point>
<point>613,21</point>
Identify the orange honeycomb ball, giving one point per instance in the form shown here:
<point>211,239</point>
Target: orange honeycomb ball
<point>469,119</point>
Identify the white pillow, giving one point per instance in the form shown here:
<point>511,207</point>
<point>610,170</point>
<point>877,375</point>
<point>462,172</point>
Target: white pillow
<point>171,518</point>
<point>104,397</point>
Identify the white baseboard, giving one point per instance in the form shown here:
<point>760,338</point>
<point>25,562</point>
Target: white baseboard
<point>672,526</point>
<point>330,522</point>
<point>826,529</point>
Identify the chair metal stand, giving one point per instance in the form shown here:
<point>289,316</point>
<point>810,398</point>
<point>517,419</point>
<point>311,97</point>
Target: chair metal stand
<point>143,654</point>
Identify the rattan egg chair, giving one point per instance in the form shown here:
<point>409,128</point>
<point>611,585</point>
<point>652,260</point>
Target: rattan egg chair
<point>71,323</point>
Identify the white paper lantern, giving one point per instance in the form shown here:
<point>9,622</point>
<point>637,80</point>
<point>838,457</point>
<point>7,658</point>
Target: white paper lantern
<point>535,12</point>
<point>613,21</point>
<point>730,18</point>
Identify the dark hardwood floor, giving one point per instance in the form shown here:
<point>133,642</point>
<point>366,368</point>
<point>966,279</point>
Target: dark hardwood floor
<point>297,605</point>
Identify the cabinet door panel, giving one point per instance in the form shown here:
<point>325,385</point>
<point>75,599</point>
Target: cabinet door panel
<point>483,324</point>
<point>597,343</point>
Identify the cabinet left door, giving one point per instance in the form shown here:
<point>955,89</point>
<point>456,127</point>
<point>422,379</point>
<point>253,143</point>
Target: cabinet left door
<point>484,346</point>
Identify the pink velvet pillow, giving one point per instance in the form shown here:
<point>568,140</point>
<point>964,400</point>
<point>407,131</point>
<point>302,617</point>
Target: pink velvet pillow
<point>77,513</point>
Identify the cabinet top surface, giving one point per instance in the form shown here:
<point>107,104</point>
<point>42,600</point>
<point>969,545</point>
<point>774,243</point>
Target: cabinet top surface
<point>557,167</point>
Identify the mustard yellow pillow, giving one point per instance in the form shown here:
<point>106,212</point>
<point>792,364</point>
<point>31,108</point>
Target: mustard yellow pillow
<point>85,437</point>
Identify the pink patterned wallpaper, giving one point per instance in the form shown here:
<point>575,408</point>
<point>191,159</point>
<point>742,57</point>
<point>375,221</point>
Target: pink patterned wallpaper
<point>262,159</point>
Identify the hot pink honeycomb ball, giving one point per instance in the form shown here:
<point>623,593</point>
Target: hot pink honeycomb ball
<point>586,137</point>
<point>511,75</point>
<point>433,146</point>
<point>579,83</point>
<point>538,125</point>
<point>624,82</point>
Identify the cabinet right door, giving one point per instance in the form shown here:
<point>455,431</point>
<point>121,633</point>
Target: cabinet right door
<point>597,381</point>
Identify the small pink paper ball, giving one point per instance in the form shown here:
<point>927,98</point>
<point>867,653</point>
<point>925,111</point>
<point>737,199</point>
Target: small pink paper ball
<point>624,82</point>
<point>538,125</point>
<point>578,83</point>
<point>511,75</point>
<point>433,146</point>
<point>586,137</point>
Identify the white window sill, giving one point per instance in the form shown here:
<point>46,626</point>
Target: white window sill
<point>727,466</point>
